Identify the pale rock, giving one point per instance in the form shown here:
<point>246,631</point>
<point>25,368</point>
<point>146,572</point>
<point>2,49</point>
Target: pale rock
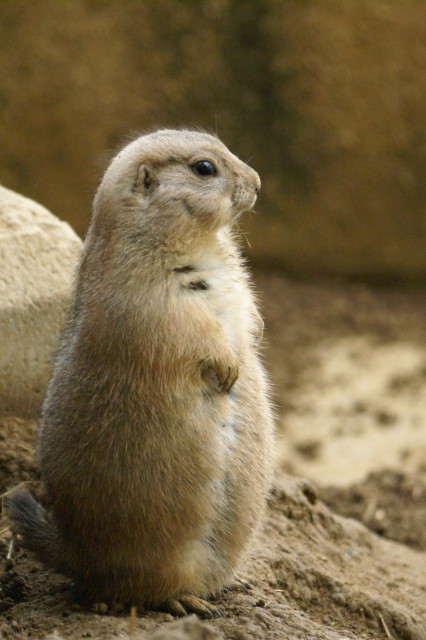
<point>38,258</point>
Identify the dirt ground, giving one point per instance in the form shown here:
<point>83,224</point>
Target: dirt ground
<point>342,554</point>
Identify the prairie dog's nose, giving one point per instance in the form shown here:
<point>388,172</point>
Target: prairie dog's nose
<point>256,181</point>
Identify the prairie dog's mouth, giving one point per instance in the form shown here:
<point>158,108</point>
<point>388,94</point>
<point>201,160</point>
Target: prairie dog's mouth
<point>253,202</point>
<point>249,206</point>
<point>243,199</point>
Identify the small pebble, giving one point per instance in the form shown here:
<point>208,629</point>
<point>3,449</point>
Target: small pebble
<point>100,607</point>
<point>264,617</point>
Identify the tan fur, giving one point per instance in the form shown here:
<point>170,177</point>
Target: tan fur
<point>157,475</point>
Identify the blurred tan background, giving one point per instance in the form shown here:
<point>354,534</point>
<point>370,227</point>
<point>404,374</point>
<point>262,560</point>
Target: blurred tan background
<point>325,98</point>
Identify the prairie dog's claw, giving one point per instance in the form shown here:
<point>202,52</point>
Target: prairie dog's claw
<point>187,603</point>
<point>221,375</point>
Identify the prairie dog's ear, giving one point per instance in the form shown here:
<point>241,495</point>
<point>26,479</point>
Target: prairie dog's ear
<point>146,180</point>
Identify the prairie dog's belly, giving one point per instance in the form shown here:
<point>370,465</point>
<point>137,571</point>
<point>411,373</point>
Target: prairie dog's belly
<point>228,305</point>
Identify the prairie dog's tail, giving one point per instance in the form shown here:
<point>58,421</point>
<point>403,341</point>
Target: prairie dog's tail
<point>33,524</point>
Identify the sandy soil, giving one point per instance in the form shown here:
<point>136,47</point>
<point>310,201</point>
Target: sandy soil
<point>349,370</point>
<point>349,367</point>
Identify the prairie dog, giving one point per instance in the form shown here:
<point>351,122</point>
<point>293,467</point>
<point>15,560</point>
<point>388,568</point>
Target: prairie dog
<point>156,431</point>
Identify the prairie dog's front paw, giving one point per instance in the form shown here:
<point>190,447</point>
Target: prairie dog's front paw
<point>221,374</point>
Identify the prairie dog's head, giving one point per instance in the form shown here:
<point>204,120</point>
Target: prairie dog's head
<point>174,185</point>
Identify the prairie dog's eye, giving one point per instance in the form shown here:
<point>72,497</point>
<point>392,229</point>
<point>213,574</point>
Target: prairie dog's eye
<point>204,168</point>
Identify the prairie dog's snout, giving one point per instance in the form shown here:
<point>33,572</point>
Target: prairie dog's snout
<point>246,190</point>
<point>256,181</point>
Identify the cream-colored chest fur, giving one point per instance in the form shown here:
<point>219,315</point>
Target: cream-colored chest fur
<point>224,290</point>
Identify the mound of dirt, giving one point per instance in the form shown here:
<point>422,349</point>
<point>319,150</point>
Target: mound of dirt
<point>377,502</point>
<point>313,575</point>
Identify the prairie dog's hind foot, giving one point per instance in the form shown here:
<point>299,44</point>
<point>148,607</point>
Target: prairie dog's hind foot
<point>177,606</point>
<point>238,584</point>
<point>187,603</point>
